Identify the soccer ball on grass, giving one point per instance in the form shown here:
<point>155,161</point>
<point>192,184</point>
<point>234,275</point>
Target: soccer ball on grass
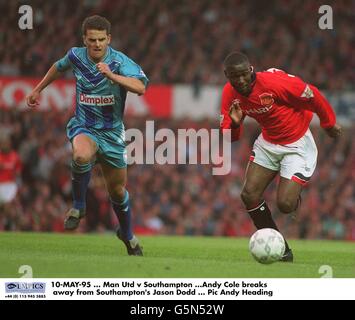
<point>267,245</point>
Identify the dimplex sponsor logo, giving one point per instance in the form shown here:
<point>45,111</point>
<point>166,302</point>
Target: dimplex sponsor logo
<point>92,100</point>
<point>258,111</point>
<point>25,287</point>
<point>186,146</point>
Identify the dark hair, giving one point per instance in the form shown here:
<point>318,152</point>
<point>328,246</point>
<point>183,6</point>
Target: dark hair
<point>235,58</point>
<point>96,23</point>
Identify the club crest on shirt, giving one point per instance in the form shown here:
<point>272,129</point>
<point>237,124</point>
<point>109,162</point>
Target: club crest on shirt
<point>307,93</point>
<point>266,99</point>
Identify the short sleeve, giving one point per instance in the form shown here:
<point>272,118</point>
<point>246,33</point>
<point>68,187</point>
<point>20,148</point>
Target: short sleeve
<point>63,64</point>
<point>129,68</point>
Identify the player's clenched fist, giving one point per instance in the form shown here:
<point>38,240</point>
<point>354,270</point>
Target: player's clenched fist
<point>235,112</point>
<point>104,69</point>
<point>334,132</point>
<point>32,99</point>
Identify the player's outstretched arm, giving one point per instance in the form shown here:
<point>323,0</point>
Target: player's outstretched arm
<point>295,92</point>
<point>32,99</point>
<point>131,84</point>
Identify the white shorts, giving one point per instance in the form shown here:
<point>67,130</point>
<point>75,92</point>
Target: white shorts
<point>8,192</point>
<point>295,161</point>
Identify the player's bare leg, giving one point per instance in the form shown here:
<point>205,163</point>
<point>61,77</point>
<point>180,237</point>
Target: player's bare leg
<point>84,150</point>
<point>257,179</point>
<point>116,179</point>
<point>288,201</point>
<point>288,195</point>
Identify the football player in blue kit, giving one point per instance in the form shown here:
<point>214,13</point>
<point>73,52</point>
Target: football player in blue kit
<point>96,131</point>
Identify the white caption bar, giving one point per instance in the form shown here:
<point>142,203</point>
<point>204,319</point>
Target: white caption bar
<point>174,289</point>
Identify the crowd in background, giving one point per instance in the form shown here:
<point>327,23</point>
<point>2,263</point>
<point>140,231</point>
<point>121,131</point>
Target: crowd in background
<point>180,42</point>
<point>172,199</point>
<point>186,41</point>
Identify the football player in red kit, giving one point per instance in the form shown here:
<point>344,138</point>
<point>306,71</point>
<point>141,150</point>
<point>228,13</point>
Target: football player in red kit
<point>283,105</point>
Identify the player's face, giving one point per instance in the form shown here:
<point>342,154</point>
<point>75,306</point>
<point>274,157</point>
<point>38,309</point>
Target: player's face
<point>240,77</point>
<point>96,42</point>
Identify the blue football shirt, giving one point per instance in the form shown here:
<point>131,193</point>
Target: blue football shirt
<point>100,102</point>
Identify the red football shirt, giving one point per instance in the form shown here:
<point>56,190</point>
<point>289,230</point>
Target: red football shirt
<point>282,104</point>
<point>10,166</point>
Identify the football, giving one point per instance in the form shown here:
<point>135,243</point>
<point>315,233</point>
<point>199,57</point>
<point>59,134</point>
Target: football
<point>267,245</point>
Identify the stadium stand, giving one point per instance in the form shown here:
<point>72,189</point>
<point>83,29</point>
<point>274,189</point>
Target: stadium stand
<point>184,42</point>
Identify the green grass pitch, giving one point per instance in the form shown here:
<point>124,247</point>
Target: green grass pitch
<point>103,256</point>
